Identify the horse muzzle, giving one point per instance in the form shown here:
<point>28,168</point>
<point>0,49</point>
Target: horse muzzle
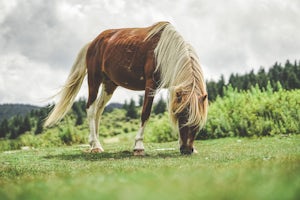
<point>186,150</point>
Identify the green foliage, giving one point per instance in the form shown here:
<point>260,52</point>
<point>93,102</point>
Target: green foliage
<point>25,125</point>
<point>66,132</point>
<point>141,100</point>
<point>10,110</point>
<point>71,136</point>
<point>15,125</point>
<point>79,110</point>
<point>4,128</point>
<point>131,110</point>
<point>253,113</point>
<point>160,107</point>
<point>116,123</point>
<point>159,129</point>
<point>20,124</point>
<point>288,76</point>
<point>39,126</point>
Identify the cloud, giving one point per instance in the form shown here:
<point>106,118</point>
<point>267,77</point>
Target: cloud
<point>239,35</point>
<point>33,29</point>
<point>22,78</point>
<point>229,36</point>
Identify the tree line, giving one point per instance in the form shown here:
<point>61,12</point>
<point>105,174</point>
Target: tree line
<point>288,75</point>
<point>17,125</point>
<point>132,109</point>
<point>9,110</point>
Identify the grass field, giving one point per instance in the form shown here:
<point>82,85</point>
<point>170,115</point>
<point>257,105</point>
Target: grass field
<point>232,168</point>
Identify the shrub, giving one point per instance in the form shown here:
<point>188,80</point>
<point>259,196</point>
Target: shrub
<point>253,113</point>
<point>159,130</point>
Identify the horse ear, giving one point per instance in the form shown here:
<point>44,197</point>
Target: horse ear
<point>203,98</point>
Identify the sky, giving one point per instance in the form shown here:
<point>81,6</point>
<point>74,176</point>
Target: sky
<point>39,39</point>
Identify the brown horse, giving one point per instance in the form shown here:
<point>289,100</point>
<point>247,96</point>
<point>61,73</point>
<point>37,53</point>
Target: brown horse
<point>147,59</point>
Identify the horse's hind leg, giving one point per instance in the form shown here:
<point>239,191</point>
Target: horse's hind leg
<point>93,137</point>
<point>107,91</point>
<point>94,114</point>
<point>95,106</point>
<point>94,81</point>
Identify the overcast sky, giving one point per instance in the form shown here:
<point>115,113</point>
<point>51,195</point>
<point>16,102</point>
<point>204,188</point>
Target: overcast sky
<point>39,40</point>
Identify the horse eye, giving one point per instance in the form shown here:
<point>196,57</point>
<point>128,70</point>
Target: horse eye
<point>179,98</point>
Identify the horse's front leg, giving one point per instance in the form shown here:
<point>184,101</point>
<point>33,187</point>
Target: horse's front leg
<point>139,145</point>
<point>147,105</point>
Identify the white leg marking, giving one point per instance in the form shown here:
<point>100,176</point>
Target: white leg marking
<point>94,115</point>
<point>93,137</point>
<point>101,103</point>
<point>139,138</point>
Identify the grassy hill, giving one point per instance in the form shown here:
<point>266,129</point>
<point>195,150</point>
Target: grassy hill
<point>230,168</point>
<point>9,110</point>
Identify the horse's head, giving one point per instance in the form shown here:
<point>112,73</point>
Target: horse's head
<point>190,112</point>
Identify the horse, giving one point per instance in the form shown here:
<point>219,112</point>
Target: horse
<point>149,58</point>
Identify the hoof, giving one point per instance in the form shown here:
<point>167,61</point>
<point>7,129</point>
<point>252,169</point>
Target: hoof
<point>96,150</point>
<point>138,152</point>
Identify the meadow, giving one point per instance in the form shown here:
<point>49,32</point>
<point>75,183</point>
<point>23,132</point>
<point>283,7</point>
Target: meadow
<point>228,168</point>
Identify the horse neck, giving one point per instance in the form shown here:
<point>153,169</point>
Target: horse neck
<point>184,73</point>
<point>179,70</point>
<point>176,60</point>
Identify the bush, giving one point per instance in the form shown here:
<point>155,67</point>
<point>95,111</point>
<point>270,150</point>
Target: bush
<point>253,113</point>
<point>159,130</point>
<point>70,135</point>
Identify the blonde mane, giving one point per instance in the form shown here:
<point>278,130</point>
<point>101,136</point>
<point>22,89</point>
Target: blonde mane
<point>180,72</point>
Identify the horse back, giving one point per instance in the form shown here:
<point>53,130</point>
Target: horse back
<point>121,55</point>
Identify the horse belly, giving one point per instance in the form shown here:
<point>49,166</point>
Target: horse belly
<point>126,75</point>
<point>126,79</point>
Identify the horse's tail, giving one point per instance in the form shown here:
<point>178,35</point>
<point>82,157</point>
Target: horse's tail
<point>70,90</point>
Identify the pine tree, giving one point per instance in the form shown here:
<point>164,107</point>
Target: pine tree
<point>262,78</point>
<point>220,85</point>
<point>77,108</point>
<point>39,126</point>
<point>4,129</point>
<point>160,106</point>
<point>288,77</point>
<point>131,110</point>
<point>141,100</point>
<point>125,105</point>
<point>15,127</point>
<point>25,125</point>
<point>252,79</point>
<point>79,120</point>
<point>82,105</point>
<point>41,116</point>
<point>212,90</point>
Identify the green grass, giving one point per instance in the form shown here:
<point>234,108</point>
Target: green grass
<point>232,168</point>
